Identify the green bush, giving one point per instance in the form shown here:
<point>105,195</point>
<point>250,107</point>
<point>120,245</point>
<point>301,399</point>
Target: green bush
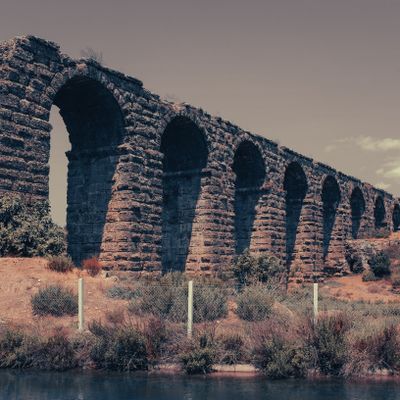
<point>254,303</point>
<point>54,300</point>
<point>121,292</point>
<point>280,358</point>
<point>60,264</point>
<point>380,264</point>
<point>19,351</point>
<point>232,349</point>
<point>369,276</point>
<point>27,230</point>
<point>329,342</point>
<point>250,269</point>
<point>199,355</point>
<point>121,348</point>
<point>168,299</point>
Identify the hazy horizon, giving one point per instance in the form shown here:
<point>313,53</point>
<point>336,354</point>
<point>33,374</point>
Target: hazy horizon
<point>319,77</point>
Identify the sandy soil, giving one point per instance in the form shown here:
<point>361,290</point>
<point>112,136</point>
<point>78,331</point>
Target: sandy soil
<point>22,277</point>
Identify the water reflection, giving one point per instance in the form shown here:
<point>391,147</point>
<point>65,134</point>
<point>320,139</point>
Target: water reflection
<point>101,386</point>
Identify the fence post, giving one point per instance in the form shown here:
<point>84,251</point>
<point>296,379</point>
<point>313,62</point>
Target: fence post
<point>315,301</point>
<point>190,310</point>
<point>80,304</point>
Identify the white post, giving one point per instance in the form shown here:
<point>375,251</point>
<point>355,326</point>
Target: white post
<point>80,304</point>
<point>190,310</point>
<point>315,302</point>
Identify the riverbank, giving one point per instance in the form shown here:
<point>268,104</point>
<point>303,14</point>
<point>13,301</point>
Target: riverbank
<point>136,325</point>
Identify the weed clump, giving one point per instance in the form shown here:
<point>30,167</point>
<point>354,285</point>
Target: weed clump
<point>54,300</point>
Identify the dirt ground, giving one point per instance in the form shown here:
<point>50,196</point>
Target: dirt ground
<point>22,277</point>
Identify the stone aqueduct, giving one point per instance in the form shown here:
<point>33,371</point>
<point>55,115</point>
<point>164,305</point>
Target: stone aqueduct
<point>155,186</point>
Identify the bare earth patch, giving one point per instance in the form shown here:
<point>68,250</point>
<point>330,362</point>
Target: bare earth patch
<point>23,277</point>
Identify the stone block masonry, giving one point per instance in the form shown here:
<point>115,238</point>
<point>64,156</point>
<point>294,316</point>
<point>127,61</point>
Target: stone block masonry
<point>155,186</point>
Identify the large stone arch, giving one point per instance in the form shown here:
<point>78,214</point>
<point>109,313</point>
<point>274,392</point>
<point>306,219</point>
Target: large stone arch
<point>379,213</point>
<point>330,196</point>
<point>357,205</point>
<point>249,168</point>
<point>185,156</point>
<point>95,125</point>
<point>295,187</point>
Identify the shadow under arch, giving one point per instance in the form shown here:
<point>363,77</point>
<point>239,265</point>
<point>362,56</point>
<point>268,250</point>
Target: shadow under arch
<point>185,155</point>
<point>249,168</point>
<point>379,213</point>
<point>296,186</point>
<point>357,204</point>
<point>396,218</point>
<point>95,126</point>
<point>330,200</point>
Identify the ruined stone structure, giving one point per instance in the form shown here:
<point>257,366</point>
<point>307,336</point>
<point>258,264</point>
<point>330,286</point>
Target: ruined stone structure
<point>155,186</point>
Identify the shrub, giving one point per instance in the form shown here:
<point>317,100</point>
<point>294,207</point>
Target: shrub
<point>199,355</point>
<point>26,230</point>
<point>54,300</point>
<point>329,342</point>
<point>55,354</point>
<point>232,349</point>
<point>369,276</point>
<point>92,266</point>
<point>280,358</point>
<point>209,303</point>
<point>121,292</point>
<point>380,264</point>
<point>355,263</point>
<point>168,299</point>
<point>61,264</point>
<point>121,348</point>
<point>20,351</point>
<point>395,280</point>
<point>254,304</point>
<point>250,269</point>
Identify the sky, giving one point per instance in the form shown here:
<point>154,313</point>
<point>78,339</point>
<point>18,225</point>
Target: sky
<point>319,76</point>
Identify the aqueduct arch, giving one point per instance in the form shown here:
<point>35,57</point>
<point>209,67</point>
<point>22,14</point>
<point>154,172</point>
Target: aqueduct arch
<point>379,213</point>
<point>249,169</point>
<point>185,156</point>
<point>396,217</point>
<point>295,186</point>
<point>95,125</point>
<point>330,199</point>
<point>190,197</point>
<point>357,204</point>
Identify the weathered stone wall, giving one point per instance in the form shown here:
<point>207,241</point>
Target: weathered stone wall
<point>154,185</point>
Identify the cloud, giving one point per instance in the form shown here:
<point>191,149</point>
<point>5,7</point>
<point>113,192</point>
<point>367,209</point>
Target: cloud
<point>390,169</point>
<point>366,143</point>
<point>383,185</point>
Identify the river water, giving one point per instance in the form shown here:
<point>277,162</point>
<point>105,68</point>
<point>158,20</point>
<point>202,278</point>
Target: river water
<point>101,386</point>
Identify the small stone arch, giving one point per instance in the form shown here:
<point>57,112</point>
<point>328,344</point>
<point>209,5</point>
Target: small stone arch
<point>295,186</point>
<point>357,205</point>
<point>330,196</point>
<point>396,217</point>
<point>379,213</point>
<point>185,156</point>
<point>249,168</point>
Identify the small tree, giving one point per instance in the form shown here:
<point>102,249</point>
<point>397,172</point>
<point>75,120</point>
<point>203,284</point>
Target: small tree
<point>27,230</point>
<point>380,264</point>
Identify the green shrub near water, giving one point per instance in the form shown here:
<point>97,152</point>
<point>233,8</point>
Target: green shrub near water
<point>54,300</point>
<point>27,230</point>
<point>119,348</point>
